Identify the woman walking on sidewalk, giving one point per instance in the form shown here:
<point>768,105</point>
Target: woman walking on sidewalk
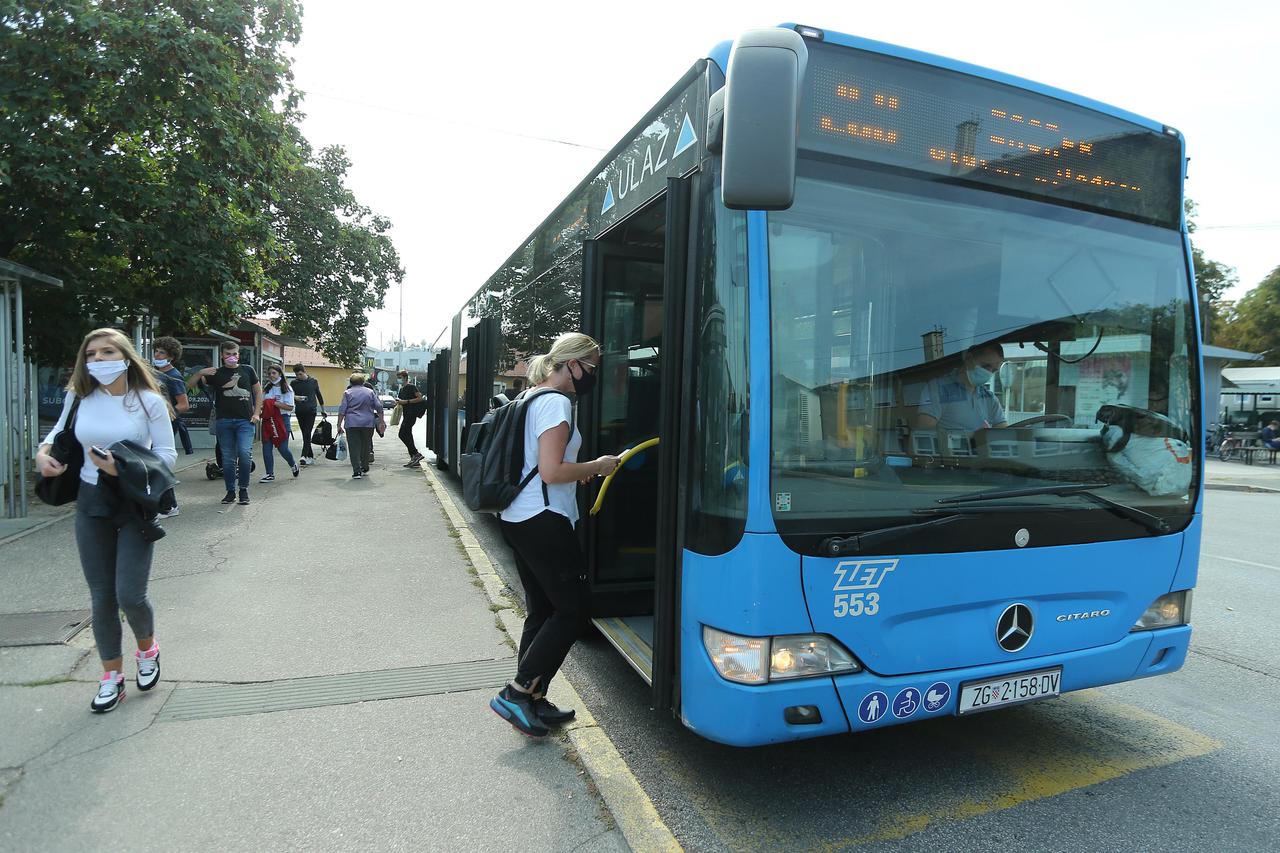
<point>362,411</point>
<point>539,524</point>
<point>281,397</point>
<point>113,396</point>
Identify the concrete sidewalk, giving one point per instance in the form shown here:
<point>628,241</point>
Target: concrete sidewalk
<point>1239,477</point>
<point>329,655</point>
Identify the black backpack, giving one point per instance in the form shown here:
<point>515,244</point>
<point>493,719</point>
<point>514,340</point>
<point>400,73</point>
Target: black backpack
<point>493,456</point>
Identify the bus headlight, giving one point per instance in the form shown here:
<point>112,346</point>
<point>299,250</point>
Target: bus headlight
<point>1166,611</point>
<point>758,660</point>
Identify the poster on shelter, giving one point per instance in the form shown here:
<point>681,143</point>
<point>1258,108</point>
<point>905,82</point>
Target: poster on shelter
<point>1102,379</point>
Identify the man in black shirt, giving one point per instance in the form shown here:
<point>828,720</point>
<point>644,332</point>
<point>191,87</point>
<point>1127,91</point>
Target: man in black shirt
<point>306,396</point>
<point>237,403</point>
<point>412,406</point>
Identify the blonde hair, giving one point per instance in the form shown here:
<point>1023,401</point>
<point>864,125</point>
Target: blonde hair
<point>567,347</point>
<point>359,378</point>
<point>139,376</point>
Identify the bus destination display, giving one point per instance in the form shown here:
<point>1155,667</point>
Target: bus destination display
<point>918,117</point>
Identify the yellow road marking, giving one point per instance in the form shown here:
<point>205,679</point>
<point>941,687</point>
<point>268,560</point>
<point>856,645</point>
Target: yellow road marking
<point>1087,739</point>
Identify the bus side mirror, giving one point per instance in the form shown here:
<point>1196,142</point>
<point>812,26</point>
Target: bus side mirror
<point>761,119</point>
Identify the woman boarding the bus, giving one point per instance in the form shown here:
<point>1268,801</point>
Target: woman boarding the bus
<point>538,525</point>
<point>118,400</point>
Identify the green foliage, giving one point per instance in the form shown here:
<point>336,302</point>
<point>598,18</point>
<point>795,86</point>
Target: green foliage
<point>332,257</point>
<point>1253,323</point>
<point>1213,279</point>
<point>149,157</point>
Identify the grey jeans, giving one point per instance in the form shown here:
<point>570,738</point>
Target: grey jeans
<point>117,564</point>
<point>359,447</point>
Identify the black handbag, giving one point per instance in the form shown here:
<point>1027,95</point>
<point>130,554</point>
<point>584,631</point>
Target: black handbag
<point>66,448</point>
<point>323,433</point>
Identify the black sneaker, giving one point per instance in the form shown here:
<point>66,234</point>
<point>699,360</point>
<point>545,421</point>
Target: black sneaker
<point>549,714</point>
<point>517,709</point>
<point>230,498</point>
<point>110,694</point>
<point>357,476</point>
<point>244,497</point>
<point>270,478</point>
<point>295,470</point>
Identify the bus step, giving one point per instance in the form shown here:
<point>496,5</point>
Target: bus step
<point>632,636</point>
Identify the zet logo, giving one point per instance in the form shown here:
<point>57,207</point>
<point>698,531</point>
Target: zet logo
<point>862,574</point>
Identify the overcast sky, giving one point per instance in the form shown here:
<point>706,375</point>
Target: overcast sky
<point>468,124</point>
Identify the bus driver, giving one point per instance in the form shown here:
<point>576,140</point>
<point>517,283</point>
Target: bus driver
<point>961,400</point>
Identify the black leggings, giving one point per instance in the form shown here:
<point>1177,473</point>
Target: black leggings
<point>406,433</point>
<point>554,575</point>
<point>306,421</point>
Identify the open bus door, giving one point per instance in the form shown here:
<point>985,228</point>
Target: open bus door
<point>635,304</point>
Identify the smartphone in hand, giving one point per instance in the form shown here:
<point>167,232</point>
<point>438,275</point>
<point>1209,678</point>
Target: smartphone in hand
<point>98,451</point>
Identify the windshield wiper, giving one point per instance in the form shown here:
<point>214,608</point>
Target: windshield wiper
<point>836,546</point>
<point>1151,522</point>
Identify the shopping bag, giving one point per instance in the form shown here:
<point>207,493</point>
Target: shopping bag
<point>395,416</point>
<point>342,448</point>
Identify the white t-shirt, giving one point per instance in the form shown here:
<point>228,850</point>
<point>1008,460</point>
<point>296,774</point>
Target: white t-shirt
<point>286,397</point>
<point>546,411</point>
<point>103,419</point>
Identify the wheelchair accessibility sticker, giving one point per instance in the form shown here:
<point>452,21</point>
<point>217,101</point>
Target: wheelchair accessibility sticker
<point>855,583</point>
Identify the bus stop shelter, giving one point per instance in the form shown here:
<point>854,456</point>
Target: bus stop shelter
<point>18,387</point>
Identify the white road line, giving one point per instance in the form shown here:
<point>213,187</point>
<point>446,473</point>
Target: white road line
<point>1245,562</point>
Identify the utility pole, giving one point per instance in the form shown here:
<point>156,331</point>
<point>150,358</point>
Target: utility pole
<point>400,366</point>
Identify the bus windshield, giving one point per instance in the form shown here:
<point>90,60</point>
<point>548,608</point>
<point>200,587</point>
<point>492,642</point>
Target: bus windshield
<point>933,341</point>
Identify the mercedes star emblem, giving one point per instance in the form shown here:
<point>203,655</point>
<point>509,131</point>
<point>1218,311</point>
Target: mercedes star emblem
<point>1013,629</point>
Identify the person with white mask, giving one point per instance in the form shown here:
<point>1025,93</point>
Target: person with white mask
<point>113,396</point>
<point>962,400</point>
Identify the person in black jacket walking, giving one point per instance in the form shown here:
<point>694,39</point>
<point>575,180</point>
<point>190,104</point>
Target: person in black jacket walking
<point>306,399</point>
<point>412,406</point>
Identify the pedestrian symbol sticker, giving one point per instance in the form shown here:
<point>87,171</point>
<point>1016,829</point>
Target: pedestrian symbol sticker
<point>935,698</point>
<point>906,702</point>
<point>872,707</point>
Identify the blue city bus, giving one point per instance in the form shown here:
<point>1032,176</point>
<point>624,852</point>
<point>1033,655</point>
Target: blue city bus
<point>918,341</point>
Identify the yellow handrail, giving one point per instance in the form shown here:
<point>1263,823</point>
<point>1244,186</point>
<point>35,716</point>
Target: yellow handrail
<point>626,454</point>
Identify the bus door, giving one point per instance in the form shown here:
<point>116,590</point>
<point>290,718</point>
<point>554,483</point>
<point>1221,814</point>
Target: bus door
<point>634,295</point>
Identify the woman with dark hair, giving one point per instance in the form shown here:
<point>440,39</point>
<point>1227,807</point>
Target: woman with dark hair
<point>113,396</point>
<point>275,435</point>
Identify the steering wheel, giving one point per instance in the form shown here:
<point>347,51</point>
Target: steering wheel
<point>1042,419</point>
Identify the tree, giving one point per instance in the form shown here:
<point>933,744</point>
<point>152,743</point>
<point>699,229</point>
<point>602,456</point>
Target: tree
<point>331,258</point>
<point>139,146</point>
<point>1253,323</point>
<point>150,157</point>
<point>1213,279</point>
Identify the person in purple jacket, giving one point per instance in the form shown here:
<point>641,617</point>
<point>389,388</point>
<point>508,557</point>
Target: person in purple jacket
<point>358,414</point>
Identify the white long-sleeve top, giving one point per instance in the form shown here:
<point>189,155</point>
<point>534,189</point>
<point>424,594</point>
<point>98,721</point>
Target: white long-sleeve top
<point>103,419</point>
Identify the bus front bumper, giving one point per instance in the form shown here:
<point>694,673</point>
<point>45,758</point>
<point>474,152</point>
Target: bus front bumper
<point>746,715</point>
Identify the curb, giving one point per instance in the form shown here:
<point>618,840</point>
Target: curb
<point>1239,487</point>
<point>630,806</point>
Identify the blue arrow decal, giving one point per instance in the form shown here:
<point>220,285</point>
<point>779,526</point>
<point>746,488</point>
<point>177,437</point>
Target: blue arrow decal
<point>608,199</point>
<point>687,137</point>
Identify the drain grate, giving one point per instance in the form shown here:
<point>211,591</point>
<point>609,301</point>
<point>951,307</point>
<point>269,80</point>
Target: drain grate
<point>203,703</point>
<point>49,628</point>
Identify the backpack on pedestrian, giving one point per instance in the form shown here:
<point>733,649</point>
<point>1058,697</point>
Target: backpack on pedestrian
<point>493,456</point>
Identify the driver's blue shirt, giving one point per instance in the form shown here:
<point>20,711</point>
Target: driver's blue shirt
<point>957,407</point>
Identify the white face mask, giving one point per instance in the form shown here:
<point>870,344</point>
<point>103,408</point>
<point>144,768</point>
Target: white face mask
<point>107,372</point>
<point>160,362</point>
